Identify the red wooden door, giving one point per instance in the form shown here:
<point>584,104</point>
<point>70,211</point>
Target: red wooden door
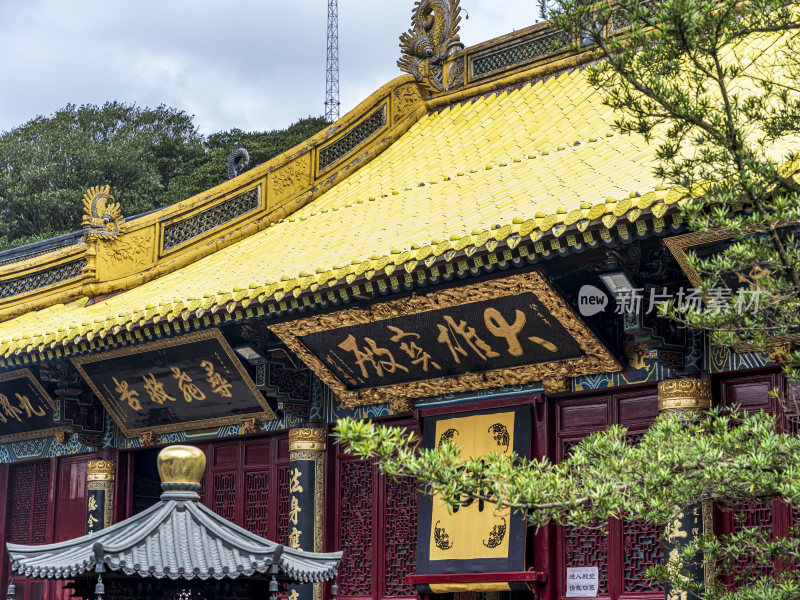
<point>246,481</point>
<point>751,393</point>
<point>70,508</point>
<point>30,518</point>
<point>623,553</point>
<point>376,527</point>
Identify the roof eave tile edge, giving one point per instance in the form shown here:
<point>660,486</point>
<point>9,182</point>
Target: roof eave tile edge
<point>441,260</point>
<point>285,184</point>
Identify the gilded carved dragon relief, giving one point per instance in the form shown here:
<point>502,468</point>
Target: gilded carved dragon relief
<point>433,38</point>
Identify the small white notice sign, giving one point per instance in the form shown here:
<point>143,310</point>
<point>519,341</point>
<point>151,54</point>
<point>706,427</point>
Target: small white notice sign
<point>582,582</point>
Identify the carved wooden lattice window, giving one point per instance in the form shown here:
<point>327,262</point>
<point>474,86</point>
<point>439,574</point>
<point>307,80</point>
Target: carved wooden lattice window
<point>29,503</point>
<point>256,509</point>
<point>753,514</point>
<point>641,543</point>
<point>585,546</point>
<point>357,486</point>
<point>283,505</point>
<point>400,525</point>
<point>225,495</point>
<point>642,548</point>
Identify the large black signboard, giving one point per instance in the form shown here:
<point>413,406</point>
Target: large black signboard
<point>504,331</point>
<point>188,382</point>
<point>26,410</point>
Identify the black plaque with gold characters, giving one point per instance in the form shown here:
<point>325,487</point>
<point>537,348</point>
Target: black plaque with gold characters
<point>504,331</point>
<point>26,410</point>
<point>175,384</point>
<point>475,537</point>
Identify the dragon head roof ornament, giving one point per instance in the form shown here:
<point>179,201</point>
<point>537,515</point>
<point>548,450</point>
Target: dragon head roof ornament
<point>100,216</point>
<point>433,37</point>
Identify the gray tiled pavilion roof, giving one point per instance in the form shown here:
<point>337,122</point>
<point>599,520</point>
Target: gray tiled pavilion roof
<point>177,538</point>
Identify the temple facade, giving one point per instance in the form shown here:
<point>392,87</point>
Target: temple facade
<point>448,258</point>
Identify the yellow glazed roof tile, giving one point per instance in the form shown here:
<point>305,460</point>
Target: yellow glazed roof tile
<point>535,157</point>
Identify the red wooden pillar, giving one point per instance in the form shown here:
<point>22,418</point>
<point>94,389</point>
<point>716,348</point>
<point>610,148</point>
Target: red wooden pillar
<point>544,541</point>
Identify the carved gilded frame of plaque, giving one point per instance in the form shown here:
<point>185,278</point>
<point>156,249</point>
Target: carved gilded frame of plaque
<point>596,358</point>
<point>680,245</point>
<point>36,433</point>
<point>266,414</point>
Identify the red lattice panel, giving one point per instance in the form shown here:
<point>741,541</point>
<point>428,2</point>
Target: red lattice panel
<point>256,485</point>
<point>283,505</point>
<point>355,514</point>
<point>642,548</point>
<point>41,490</point>
<point>749,514</point>
<point>586,547</point>
<point>400,525</point>
<point>21,498</point>
<point>202,491</point>
<point>225,495</point>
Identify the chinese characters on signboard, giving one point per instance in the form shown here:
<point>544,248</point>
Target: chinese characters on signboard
<point>502,332</point>
<point>25,406</point>
<point>191,381</point>
<point>582,582</point>
<point>512,330</point>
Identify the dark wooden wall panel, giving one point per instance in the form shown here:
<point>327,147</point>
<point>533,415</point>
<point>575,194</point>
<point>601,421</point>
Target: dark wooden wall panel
<point>629,547</point>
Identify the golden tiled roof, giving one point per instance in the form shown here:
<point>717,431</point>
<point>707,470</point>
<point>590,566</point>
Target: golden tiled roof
<point>526,162</point>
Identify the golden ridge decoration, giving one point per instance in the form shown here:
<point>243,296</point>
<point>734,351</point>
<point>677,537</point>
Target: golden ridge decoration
<point>100,216</point>
<point>433,38</point>
<point>181,464</point>
<point>675,395</point>
<point>596,359</point>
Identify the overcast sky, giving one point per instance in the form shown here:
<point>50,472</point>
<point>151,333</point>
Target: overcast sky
<point>256,65</point>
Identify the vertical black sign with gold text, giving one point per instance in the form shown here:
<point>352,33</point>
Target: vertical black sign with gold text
<point>475,537</point>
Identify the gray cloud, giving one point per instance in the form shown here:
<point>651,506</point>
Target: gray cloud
<point>254,65</point>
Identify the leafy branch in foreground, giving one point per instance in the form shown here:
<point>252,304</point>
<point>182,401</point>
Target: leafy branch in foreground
<point>678,462</point>
<point>682,460</point>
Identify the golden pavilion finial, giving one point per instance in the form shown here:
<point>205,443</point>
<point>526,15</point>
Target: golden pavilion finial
<point>181,464</point>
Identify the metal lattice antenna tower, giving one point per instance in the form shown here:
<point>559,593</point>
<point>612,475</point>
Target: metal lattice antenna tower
<point>332,65</point>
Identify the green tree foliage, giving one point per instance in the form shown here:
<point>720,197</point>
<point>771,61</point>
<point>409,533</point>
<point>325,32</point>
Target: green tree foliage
<point>150,157</point>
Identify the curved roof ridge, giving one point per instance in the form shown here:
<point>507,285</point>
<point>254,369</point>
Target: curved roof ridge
<point>150,544</point>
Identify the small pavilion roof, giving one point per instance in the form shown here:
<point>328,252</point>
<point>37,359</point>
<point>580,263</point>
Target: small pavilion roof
<point>177,538</point>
